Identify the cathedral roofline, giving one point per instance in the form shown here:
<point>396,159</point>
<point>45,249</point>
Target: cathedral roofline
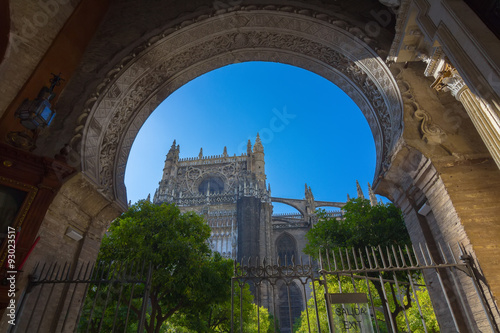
<point>223,159</point>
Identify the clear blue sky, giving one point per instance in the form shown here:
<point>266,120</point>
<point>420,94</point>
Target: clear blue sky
<point>311,131</point>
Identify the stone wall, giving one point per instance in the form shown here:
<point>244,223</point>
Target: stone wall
<point>78,206</point>
<point>442,164</point>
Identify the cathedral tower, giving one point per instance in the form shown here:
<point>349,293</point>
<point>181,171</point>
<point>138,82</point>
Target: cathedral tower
<point>230,191</point>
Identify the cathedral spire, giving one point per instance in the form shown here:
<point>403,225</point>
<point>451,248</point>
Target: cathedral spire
<point>173,152</point>
<point>258,145</point>
<point>360,191</point>
<point>308,193</point>
<point>225,152</point>
<point>200,155</point>
<point>373,198</point>
<point>258,164</point>
<point>249,147</point>
<point>309,197</point>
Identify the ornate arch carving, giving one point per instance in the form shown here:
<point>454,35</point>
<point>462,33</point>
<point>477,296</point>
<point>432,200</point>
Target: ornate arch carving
<point>114,114</point>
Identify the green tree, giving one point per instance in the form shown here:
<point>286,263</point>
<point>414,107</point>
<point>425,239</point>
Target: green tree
<point>366,225</point>
<point>186,274</point>
<point>216,317</point>
<point>362,225</point>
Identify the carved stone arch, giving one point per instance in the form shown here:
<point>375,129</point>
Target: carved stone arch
<point>141,81</point>
<point>286,248</point>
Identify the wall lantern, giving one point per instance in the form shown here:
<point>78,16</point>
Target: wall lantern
<point>35,115</point>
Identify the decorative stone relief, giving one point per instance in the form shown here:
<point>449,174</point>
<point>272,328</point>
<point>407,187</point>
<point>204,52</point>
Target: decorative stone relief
<point>191,177</point>
<point>139,83</point>
<point>434,63</point>
<point>431,133</point>
<point>401,19</point>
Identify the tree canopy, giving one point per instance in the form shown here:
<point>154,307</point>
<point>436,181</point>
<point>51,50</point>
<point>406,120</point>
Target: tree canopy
<point>191,285</point>
<point>364,225</point>
<point>186,276</point>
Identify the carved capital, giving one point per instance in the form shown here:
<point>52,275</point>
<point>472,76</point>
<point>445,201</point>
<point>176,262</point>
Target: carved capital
<point>449,80</point>
<point>446,75</point>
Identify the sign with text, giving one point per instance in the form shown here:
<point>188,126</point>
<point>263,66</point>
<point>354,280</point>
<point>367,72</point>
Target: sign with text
<point>350,313</point>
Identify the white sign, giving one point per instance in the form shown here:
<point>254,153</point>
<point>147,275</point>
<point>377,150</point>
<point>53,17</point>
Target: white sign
<point>350,313</point>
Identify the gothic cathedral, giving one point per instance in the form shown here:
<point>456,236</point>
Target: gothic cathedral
<point>231,193</point>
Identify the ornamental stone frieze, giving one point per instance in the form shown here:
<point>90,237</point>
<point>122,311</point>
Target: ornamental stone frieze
<point>430,132</point>
<point>328,47</point>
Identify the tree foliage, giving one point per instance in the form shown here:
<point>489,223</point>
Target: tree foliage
<point>190,287</point>
<point>186,276</point>
<point>363,226</point>
<point>216,317</point>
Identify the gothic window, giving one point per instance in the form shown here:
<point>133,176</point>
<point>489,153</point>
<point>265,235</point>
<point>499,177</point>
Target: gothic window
<point>212,185</point>
<point>294,307</point>
<point>286,248</point>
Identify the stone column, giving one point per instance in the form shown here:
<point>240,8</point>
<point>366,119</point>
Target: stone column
<point>485,120</point>
<point>485,117</point>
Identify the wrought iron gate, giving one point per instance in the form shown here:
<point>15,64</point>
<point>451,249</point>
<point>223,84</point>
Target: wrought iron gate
<point>362,290</point>
<point>60,291</point>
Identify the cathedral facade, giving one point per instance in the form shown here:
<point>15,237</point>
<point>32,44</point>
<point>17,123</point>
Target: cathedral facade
<point>229,191</point>
<point>232,194</point>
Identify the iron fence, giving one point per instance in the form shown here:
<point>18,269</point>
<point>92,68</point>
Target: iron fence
<point>373,289</point>
<point>56,298</point>
<point>396,289</point>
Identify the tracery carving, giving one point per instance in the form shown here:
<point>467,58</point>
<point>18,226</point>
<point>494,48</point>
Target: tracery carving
<point>195,175</point>
<point>130,88</point>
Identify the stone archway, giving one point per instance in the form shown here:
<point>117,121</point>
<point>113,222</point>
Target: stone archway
<point>316,42</point>
<point>440,173</point>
